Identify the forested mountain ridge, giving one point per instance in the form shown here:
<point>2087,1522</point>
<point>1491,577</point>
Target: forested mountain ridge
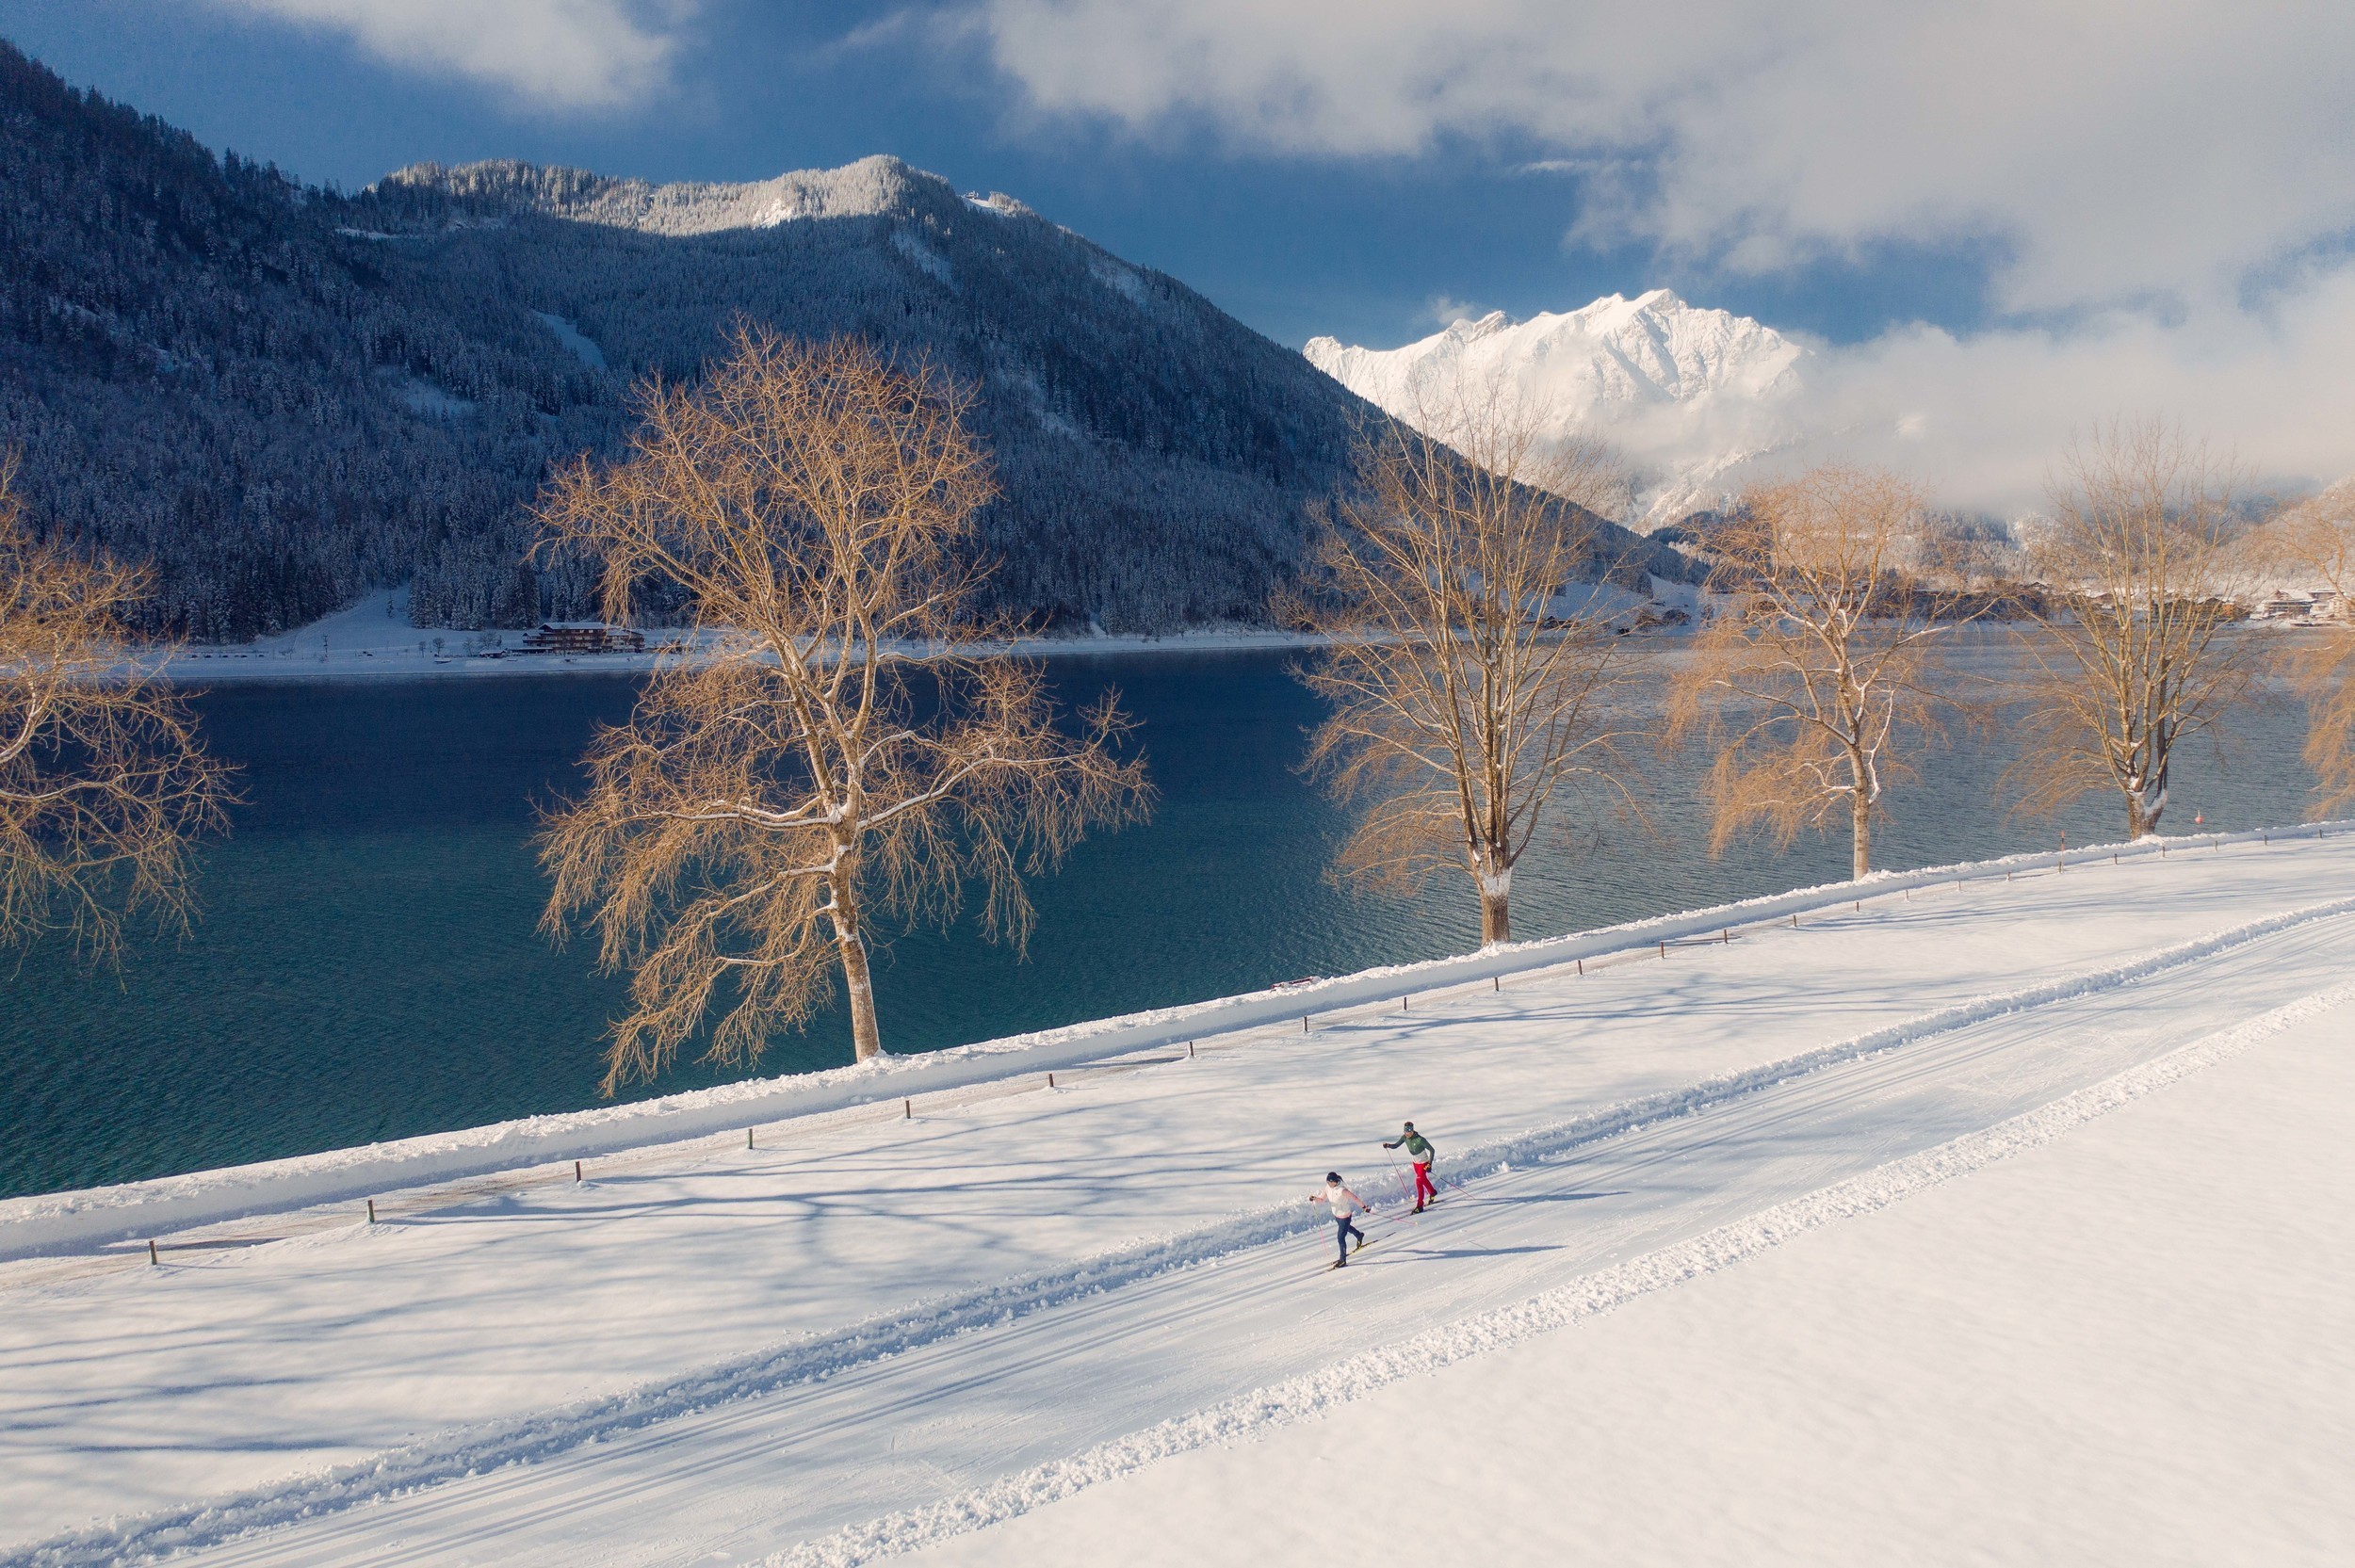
<point>284,396</point>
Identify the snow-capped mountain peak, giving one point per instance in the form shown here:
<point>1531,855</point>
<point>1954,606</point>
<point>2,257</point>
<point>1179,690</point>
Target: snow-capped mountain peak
<point>1616,352</point>
<point>1685,390</point>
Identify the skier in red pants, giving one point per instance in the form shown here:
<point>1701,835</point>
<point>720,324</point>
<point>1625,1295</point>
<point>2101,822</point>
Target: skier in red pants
<point>1418,1149</point>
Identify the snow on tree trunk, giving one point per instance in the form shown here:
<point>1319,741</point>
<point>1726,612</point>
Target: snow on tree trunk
<point>1496,921</point>
<point>1861,862</point>
<point>865,1039</point>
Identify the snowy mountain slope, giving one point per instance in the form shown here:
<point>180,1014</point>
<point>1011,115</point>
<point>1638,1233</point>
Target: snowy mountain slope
<point>738,1350</point>
<point>1691,393</point>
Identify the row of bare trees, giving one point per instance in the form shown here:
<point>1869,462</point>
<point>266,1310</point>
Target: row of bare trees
<point>847,743</point>
<point>1468,693</point>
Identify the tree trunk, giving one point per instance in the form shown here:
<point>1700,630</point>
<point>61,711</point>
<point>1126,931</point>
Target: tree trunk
<point>1862,807</point>
<point>865,1039</point>
<point>2139,822</point>
<point>1496,893</point>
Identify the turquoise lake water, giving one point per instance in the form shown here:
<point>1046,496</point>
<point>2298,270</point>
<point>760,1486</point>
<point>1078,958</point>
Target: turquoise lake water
<point>367,966</point>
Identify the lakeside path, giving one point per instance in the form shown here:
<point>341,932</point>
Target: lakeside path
<point>872,1337</point>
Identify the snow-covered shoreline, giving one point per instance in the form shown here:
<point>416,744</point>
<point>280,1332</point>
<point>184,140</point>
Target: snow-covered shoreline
<point>373,640</point>
<point>75,1219</point>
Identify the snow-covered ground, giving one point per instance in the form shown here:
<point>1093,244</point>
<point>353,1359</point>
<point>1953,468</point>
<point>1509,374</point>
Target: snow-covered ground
<point>1980,1215</point>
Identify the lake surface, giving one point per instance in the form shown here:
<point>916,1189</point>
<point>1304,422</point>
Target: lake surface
<point>367,965</point>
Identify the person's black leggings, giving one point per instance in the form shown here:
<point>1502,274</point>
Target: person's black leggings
<point>1345,1226</point>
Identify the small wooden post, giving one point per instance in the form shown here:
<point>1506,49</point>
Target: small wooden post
<point>748,1138</point>
<point>1050,1080</point>
<point>152,1258</point>
<point>907,1110</point>
<point>1794,920</point>
<point>1189,1050</point>
<point>1664,946</point>
<point>371,1211</point>
<point>1581,967</point>
<point>576,1170</point>
<point>1725,939</point>
<point>1495,982</point>
<point>1860,903</point>
<point>1304,1022</point>
<point>1402,1003</point>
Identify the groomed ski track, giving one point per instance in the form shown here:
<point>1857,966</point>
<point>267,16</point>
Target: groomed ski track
<point>975,1402</point>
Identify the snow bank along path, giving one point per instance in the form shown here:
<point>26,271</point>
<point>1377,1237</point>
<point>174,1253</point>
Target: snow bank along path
<point>745,1349</point>
<point>79,1220</point>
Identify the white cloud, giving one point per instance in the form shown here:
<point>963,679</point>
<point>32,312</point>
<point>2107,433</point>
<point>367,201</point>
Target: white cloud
<point>562,53</point>
<point>1444,310</point>
<point>1980,418</point>
<point>2113,149</point>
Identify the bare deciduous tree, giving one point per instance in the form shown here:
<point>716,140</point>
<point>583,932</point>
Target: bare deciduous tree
<point>2132,651</point>
<point>103,780</point>
<point>1469,667</point>
<point>1815,678</point>
<point>2317,539</point>
<point>828,755</point>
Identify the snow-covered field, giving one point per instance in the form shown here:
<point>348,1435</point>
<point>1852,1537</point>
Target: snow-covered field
<point>1991,1220</point>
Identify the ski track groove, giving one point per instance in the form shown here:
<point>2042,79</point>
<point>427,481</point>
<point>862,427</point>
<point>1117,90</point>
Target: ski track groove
<point>1085,1289</point>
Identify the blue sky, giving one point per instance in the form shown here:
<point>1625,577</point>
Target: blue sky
<point>1374,246</point>
<point>1995,222</point>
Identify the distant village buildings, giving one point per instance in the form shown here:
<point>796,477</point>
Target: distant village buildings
<point>2289,604</point>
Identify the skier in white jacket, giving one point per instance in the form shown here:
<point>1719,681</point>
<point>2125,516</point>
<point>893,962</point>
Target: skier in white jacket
<point>1345,1206</point>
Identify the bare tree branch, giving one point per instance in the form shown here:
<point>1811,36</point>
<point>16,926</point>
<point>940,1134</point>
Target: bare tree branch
<point>2317,539</point>
<point>2134,647</point>
<point>1815,678</point>
<point>103,780</point>
<point>827,759</point>
<point>1469,669</point>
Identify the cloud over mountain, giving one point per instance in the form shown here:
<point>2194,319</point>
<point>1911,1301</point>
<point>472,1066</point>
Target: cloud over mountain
<point>1704,401</point>
<point>2107,149</point>
<point>560,54</point>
